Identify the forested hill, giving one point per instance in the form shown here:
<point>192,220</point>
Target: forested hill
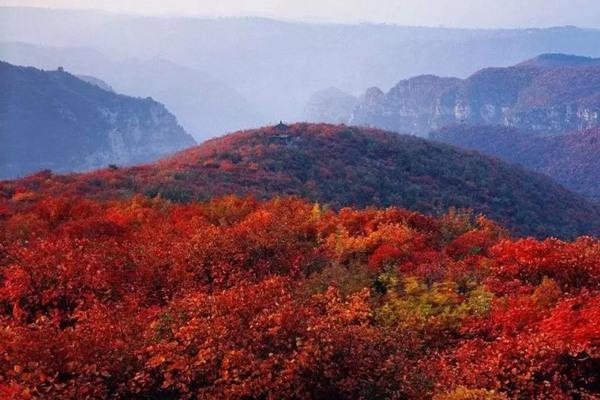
<point>342,166</point>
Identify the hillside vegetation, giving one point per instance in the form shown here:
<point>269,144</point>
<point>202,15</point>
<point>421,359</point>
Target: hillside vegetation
<point>342,166</point>
<point>572,160</point>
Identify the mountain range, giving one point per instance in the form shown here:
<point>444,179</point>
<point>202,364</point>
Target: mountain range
<point>299,260</point>
<point>271,68</point>
<point>552,93</point>
<point>54,120</point>
<point>204,105</point>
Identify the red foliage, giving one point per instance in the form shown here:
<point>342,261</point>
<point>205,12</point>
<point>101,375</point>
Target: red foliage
<point>384,254</point>
<point>237,298</point>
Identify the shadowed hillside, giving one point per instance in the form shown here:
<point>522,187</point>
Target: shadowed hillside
<point>572,160</point>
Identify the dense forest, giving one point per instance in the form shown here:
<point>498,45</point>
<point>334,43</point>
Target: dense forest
<point>243,299</point>
<point>571,160</point>
<point>341,166</point>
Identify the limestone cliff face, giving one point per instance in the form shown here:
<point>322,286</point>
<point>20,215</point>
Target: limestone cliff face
<point>549,97</point>
<point>413,105</point>
<point>53,120</point>
<point>136,134</point>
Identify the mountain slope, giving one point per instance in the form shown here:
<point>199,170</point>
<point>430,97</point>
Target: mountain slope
<point>53,120</point>
<point>95,81</point>
<point>204,106</point>
<point>553,93</point>
<point>572,160</point>
<point>560,60</point>
<point>344,166</point>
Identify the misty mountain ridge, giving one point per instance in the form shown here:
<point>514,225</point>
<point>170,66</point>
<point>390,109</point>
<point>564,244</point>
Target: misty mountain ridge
<point>330,105</point>
<point>560,60</point>
<point>54,120</point>
<point>204,106</point>
<point>97,82</point>
<point>275,65</point>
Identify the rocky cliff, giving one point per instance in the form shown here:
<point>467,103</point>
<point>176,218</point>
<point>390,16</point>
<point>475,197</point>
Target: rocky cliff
<point>552,94</point>
<point>54,120</point>
<point>413,105</point>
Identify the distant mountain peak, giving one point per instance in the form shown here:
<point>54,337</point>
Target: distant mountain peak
<point>331,105</point>
<point>560,60</point>
<point>374,93</point>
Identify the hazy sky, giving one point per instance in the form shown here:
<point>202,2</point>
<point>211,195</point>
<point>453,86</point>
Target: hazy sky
<point>463,13</point>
